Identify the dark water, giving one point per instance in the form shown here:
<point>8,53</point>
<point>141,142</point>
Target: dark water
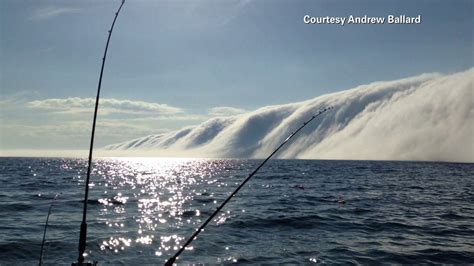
<point>142,209</point>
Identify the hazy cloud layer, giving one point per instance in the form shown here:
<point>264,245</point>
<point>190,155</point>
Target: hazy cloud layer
<point>51,11</point>
<point>69,134</point>
<point>78,105</point>
<point>225,111</point>
<point>428,117</point>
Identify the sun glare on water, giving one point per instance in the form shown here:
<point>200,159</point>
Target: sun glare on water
<point>156,201</point>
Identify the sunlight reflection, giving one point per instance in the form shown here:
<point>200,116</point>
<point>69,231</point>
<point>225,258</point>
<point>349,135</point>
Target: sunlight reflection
<point>157,196</point>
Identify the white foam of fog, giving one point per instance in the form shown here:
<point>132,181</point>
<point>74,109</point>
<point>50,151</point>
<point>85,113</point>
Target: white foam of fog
<point>428,117</point>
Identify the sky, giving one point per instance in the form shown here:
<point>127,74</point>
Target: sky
<point>173,64</point>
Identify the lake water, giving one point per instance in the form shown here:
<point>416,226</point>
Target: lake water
<point>292,211</point>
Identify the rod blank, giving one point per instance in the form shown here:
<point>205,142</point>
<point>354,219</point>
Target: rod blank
<point>83,232</point>
<point>45,228</point>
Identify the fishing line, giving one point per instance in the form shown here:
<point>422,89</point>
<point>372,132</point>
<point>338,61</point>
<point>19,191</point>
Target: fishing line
<point>45,228</point>
<point>83,232</point>
<point>196,233</point>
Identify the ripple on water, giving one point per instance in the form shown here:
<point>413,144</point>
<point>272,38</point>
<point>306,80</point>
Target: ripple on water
<point>142,209</point>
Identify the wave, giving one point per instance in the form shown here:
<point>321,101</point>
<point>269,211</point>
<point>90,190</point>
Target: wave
<point>428,117</point>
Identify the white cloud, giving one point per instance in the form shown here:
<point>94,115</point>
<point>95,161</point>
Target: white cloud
<point>66,123</point>
<point>50,12</point>
<point>225,111</point>
<point>107,106</point>
<point>428,117</point>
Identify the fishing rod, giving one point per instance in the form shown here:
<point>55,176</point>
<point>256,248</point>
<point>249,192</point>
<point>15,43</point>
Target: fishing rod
<point>196,233</point>
<point>45,228</point>
<point>83,232</point>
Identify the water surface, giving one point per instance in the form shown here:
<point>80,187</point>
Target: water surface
<point>142,209</point>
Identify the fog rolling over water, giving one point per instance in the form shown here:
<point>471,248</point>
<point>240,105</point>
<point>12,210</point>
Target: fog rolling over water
<point>427,117</point>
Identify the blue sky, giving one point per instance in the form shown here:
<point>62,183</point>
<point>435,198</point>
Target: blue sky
<point>177,63</point>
